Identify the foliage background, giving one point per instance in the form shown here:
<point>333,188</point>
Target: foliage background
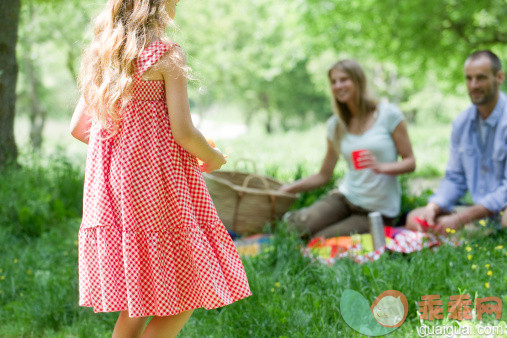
<point>268,60</point>
<point>260,63</point>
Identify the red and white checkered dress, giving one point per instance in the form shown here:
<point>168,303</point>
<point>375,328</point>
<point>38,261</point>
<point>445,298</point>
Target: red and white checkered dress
<point>151,241</point>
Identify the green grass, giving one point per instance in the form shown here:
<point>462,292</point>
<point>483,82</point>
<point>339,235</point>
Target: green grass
<point>292,296</point>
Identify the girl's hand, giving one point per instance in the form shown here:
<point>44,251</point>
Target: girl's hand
<point>215,164</point>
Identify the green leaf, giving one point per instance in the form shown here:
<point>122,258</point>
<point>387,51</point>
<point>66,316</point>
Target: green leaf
<point>356,312</point>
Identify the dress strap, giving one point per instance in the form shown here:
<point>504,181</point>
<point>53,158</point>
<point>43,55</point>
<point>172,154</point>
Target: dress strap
<point>150,55</point>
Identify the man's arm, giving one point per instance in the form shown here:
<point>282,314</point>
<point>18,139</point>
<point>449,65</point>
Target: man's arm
<point>465,216</point>
<point>496,200</point>
<point>453,186</point>
<point>491,203</point>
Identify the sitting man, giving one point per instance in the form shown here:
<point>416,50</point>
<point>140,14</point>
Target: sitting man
<point>478,153</point>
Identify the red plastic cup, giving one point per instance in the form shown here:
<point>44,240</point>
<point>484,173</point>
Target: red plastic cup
<point>355,156</point>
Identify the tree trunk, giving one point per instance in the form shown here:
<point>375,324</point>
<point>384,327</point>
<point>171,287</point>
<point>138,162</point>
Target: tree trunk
<point>269,117</point>
<point>37,112</point>
<point>8,76</point>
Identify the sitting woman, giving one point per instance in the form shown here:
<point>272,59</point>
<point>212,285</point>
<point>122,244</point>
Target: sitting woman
<point>370,136</point>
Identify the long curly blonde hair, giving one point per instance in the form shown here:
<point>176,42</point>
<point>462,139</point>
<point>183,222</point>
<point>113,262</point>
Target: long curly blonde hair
<point>121,32</point>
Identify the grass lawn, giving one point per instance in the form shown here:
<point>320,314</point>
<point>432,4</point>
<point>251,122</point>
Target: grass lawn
<point>292,296</point>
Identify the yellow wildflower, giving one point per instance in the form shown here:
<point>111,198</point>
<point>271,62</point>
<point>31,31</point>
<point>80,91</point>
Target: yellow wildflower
<point>277,284</point>
<point>453,231</point>
<point>272,290</point>
<point>469,257</point>
<point>490,273</point>
<point>487,266</point>
<point>2,277</point>
<point>474,266</point>
<point>486,285</point>
<point>15,260</point>
<point>447,230</point>
<point>29,271</point>
<point>482,222</point>
<point>21,294</point>
<point>500,247</point>
<point>468,249</point>
<point>76,243</point>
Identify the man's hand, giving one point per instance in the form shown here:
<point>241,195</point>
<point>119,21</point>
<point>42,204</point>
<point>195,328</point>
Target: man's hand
<point>430,213</point>
<point>451,221</point>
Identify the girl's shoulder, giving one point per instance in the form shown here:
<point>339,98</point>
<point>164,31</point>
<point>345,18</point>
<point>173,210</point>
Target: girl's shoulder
<point>172,53</point>
<point>161,57</point>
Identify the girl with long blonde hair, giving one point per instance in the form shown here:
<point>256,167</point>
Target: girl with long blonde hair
<point>370,137</point>
<point>150,242</point>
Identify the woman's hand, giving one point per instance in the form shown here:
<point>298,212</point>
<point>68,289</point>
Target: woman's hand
<point>316,180</point>
<point>368,161</point>
<point>286,188</point>
<point>404,149</point>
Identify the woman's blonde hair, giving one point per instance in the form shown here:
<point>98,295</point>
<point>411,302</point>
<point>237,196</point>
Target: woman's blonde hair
<point>365,101</point>
<point>121,32</point>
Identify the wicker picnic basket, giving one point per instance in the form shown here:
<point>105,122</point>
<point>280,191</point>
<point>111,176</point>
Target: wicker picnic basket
<point>245,202</point>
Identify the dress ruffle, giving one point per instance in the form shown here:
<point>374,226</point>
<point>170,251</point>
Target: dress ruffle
<point>159,273</point>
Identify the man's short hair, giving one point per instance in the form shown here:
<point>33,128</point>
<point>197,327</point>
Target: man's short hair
<point>496,64</point>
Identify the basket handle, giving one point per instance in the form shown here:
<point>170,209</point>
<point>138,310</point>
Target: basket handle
<point>245,160</point>
<point>272,199</point>
<point>262,179</point>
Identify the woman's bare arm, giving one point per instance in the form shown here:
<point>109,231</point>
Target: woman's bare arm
<point>316,180</point>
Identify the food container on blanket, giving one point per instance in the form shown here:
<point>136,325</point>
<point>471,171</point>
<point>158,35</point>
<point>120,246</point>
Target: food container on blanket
<point>377,230</point>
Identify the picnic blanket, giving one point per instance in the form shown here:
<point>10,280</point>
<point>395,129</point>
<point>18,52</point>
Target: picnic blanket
<point>252,245</point>
<point>359,248</point>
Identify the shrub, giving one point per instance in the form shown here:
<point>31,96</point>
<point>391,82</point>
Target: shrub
<point>38,196</point>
